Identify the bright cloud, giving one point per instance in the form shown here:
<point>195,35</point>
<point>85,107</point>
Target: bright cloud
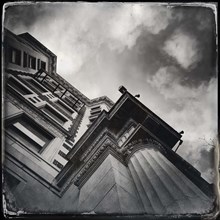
<point>184,48</point>
<point>75,31</point>
<point>197,115</point>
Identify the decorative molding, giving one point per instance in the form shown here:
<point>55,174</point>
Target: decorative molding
<point>77,123</point>
<point>136,145</point>
<point>86,135</point>
<point>104,133</point>
<point>85,171</point>
<point>124,154</point>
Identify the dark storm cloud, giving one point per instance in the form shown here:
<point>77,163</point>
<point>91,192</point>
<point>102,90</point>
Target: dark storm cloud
<point>200,22</point>
<point>25,14</point>
<point>196,22</point>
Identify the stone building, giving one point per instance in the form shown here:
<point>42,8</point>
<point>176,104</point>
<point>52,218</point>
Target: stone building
<point>67,154</point>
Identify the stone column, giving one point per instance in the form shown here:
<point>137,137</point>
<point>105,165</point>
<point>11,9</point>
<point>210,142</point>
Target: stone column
<point>110,190</point>
<point>163,188</point>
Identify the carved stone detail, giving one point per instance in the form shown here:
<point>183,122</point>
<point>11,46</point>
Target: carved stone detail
<point>84,170</point>
<point>132,147</point>
<point>98,139</point>
<point>124,153</point>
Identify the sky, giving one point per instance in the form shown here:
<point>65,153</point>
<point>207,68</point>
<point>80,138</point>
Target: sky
<point>166,54</point>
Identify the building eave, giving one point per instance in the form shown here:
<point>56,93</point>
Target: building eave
<point>114,117</point>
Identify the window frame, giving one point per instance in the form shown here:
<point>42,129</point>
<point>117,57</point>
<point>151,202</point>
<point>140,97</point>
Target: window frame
<point>43,65</point>
<point>11,121</point>
<point>31,62</point>
<point>58,116</point>
<point>17,59</point>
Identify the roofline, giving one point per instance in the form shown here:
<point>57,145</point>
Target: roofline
<point>24,40</point>
<point>89,102</point>
<point>26,35</point>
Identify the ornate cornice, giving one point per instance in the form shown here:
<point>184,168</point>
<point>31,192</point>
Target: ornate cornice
<point>85,172</point>
<point>105,99</point>
<point>91,158</point>
<point>129,149</point>
<point>86,135</point>
<point>104,134</point>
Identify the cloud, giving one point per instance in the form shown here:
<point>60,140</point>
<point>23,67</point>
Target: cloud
<point>165,54</point>
<point>130,19</point>
<point>183,48</point>
<point>81,29</point>
<point>194,110</point>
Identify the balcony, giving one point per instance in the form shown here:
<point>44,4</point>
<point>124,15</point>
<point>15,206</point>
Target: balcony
<point>58,90</point>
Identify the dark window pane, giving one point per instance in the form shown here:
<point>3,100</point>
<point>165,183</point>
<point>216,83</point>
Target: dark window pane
<point>38,64</point>
<point>18,86</point>
<point>25,60</point>
<point>66,146</point>
<point>54,114</point>
<point>43,65</point>
<point>15,56</point>
<point>37,86</point>
<point>27,132</point>
<point>62,154</point>
<point>32,62</point>
<point>58,164</point>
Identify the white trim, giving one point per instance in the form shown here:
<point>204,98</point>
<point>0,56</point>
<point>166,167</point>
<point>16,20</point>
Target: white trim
<point>29,134</point>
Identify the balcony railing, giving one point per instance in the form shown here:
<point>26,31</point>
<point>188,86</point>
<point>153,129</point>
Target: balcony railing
<point>59,90</point>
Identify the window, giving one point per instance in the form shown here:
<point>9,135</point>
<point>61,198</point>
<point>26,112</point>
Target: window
<point>69,98</point>
<point>64,107</point>
<point>29,133</point>
<point>32,62</point>
<point>58,164</point>
<point>95,108</point>
<point>69,142</point>
<point>49,83</point>
<point>37,86</point>
<point>96,112</point>
<point>15,56</point>
<point>62,154</point>
<point>38,64</point>
<point>66,146</point>
<point>25,59</point>
<point>54,114</point>
<point>43,65</point>
<point>72,101</point>
<point>18,86</point>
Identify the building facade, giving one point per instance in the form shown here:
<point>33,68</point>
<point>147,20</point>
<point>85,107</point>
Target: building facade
<point>68,154</point>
